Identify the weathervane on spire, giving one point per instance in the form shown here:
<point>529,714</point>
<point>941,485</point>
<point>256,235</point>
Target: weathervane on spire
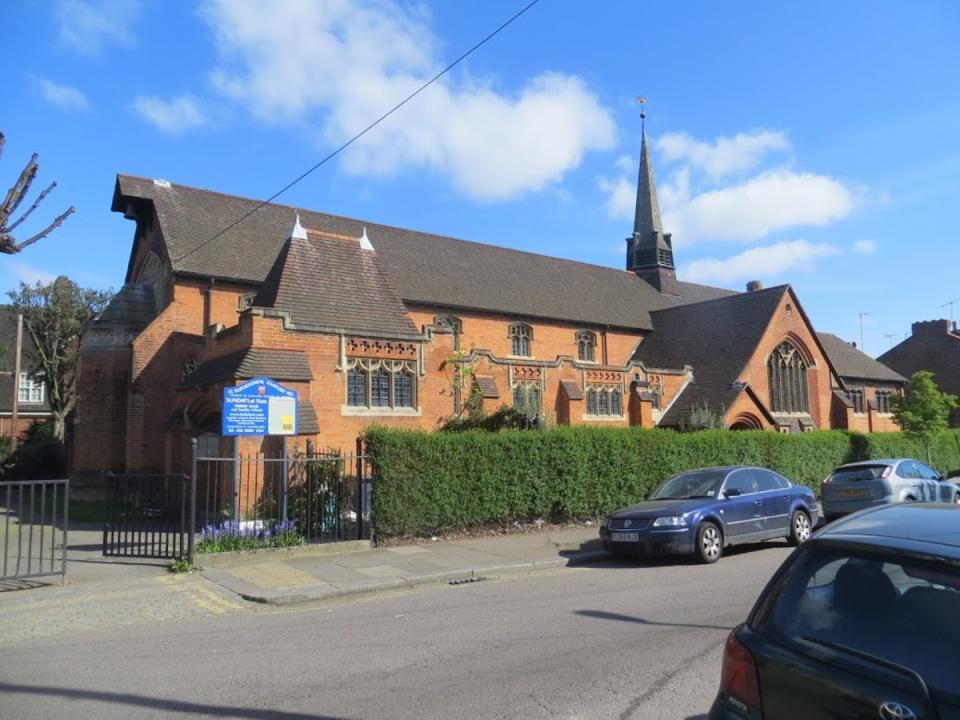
<point>642,102</point>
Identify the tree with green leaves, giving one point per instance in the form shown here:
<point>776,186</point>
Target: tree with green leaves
<point>922,411</point>
<point>55,315</point>
<point>15,196</point>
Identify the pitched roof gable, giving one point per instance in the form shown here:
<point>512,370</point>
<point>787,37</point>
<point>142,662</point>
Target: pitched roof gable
<point>851,363</point>
<point>332,284</point>
<point>717,338</point>
<point>424,268</point>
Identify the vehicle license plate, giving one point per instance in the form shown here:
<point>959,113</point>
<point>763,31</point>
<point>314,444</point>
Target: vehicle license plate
<point>624,537</point>
<point>852,493</point>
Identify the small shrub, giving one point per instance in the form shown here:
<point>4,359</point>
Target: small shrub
<point>39,455</point>
<point>181,566</point>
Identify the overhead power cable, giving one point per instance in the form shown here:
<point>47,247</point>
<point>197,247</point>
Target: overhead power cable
<point>363,132</point>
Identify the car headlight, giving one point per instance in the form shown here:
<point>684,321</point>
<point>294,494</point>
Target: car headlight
<point>670,521</point>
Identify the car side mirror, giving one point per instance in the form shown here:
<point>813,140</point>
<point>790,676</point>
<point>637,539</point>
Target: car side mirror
<point>732,492</point>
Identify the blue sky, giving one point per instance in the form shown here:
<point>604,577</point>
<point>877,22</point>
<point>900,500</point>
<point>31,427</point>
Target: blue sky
<point>813,143</point>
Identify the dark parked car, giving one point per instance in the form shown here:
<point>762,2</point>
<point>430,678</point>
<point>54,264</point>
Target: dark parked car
<point>860,485</point>
<point>862,621</point>
<point>703,511</point>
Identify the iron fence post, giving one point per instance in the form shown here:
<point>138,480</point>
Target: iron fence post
<point>66,528</point>
<point>191,534</point>
<point>360,498</point>
<point>108,499</point>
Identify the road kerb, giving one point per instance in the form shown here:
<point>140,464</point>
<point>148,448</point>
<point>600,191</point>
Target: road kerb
<point>301,596</point>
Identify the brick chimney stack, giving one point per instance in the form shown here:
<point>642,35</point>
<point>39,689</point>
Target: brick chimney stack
<point>931,327</point>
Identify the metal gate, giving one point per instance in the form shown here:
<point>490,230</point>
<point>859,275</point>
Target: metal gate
<point>149,516</point>
<point>322,497</point>
<point>35,515</point>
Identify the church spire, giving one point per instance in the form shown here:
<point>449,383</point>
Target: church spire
<point>646,218</point>
<point>650,249</point>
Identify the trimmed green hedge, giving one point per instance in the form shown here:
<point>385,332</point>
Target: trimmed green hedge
<point>437,482</point>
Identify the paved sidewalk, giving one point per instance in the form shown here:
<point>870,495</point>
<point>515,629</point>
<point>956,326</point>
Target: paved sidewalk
<point>297,578</point>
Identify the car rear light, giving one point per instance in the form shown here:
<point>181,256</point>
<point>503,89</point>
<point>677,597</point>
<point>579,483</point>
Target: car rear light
<point>886,471</point>
<point>827,479</point>
<point>739,680</point>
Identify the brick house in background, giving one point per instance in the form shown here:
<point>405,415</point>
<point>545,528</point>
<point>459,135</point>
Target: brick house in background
<point>33,394</point>
<point>933,345</point>
<point>377,324</point>
<point>864,401</point>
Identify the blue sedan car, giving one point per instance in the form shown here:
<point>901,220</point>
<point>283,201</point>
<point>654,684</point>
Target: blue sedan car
<point>702,511</point>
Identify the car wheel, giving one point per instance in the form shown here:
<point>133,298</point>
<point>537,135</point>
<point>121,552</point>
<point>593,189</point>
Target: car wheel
<point>799,528</point>
<point>709,543</point>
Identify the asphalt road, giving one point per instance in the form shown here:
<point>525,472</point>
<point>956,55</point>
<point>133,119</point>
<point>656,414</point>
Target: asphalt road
<point>615,640</point>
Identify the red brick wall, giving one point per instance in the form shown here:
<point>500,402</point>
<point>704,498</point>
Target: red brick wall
<point>792,325</point>
<point>158,356</point>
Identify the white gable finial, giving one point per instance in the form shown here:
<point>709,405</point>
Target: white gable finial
<point>298,230</point>
<point>365,243</point>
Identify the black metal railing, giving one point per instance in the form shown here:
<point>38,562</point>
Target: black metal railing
<point>149,516</point>
<point>35,517</point>
<point>324,497</point>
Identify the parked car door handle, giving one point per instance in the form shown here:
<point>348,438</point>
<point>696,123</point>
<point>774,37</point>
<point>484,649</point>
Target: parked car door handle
<point>757,502</point>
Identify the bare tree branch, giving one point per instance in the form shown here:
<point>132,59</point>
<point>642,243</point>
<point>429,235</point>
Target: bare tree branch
<point>33,207</point>
<point>18,192</point>
<point>39,236</point>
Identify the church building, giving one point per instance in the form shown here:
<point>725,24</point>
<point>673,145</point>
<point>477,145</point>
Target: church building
<point>385,325</point>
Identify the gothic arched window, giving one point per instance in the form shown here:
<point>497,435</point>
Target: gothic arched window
<point>788,380</point>
<point>586,342</point>
<point>520,336</point>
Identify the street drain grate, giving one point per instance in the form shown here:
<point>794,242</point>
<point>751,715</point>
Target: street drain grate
<point>466,580</point>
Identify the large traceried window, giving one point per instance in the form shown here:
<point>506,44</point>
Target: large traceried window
<point>526,397</point>
<point>521,336</point>
<point>586,342</point>
<point>381,384</point>
<point>605,400</point>
<point>787,370</point>
<point>31,391</point>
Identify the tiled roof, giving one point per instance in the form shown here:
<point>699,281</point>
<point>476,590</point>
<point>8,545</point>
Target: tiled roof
<point>307,422</point>
<point>291,365</point>
<point>133,305</point>
<point>851,363</point>
<point>424,268</point>
<point>488,386</point>
<point>716,338</point>
<point>332,284</point>
<point>573,391</point>
<point>939,354</point>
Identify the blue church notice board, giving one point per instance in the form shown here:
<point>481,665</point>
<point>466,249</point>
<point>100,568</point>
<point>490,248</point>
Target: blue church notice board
<point>259,406</point>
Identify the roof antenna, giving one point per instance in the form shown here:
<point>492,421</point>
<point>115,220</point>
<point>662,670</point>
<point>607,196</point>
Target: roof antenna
<point>298,232</point>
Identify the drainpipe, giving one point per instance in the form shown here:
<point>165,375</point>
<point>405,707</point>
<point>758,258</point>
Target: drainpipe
<point>208,306</point>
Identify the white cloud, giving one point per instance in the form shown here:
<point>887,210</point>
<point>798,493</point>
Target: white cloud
<point>621,197</point>
<point>760,262</point>
<point>63,96</point>
<point>334,67</point>
<point>172,116</point>
<point>29,274</point>
<point>774,200</point>
<point>865,247</point>
<point>627,163</point>
<point>88,25</point>
<point>725,155</point>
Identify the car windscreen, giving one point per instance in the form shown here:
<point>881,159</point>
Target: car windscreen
<point>699,483</point>
<point>859,472</point>
<point>899,609</point>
